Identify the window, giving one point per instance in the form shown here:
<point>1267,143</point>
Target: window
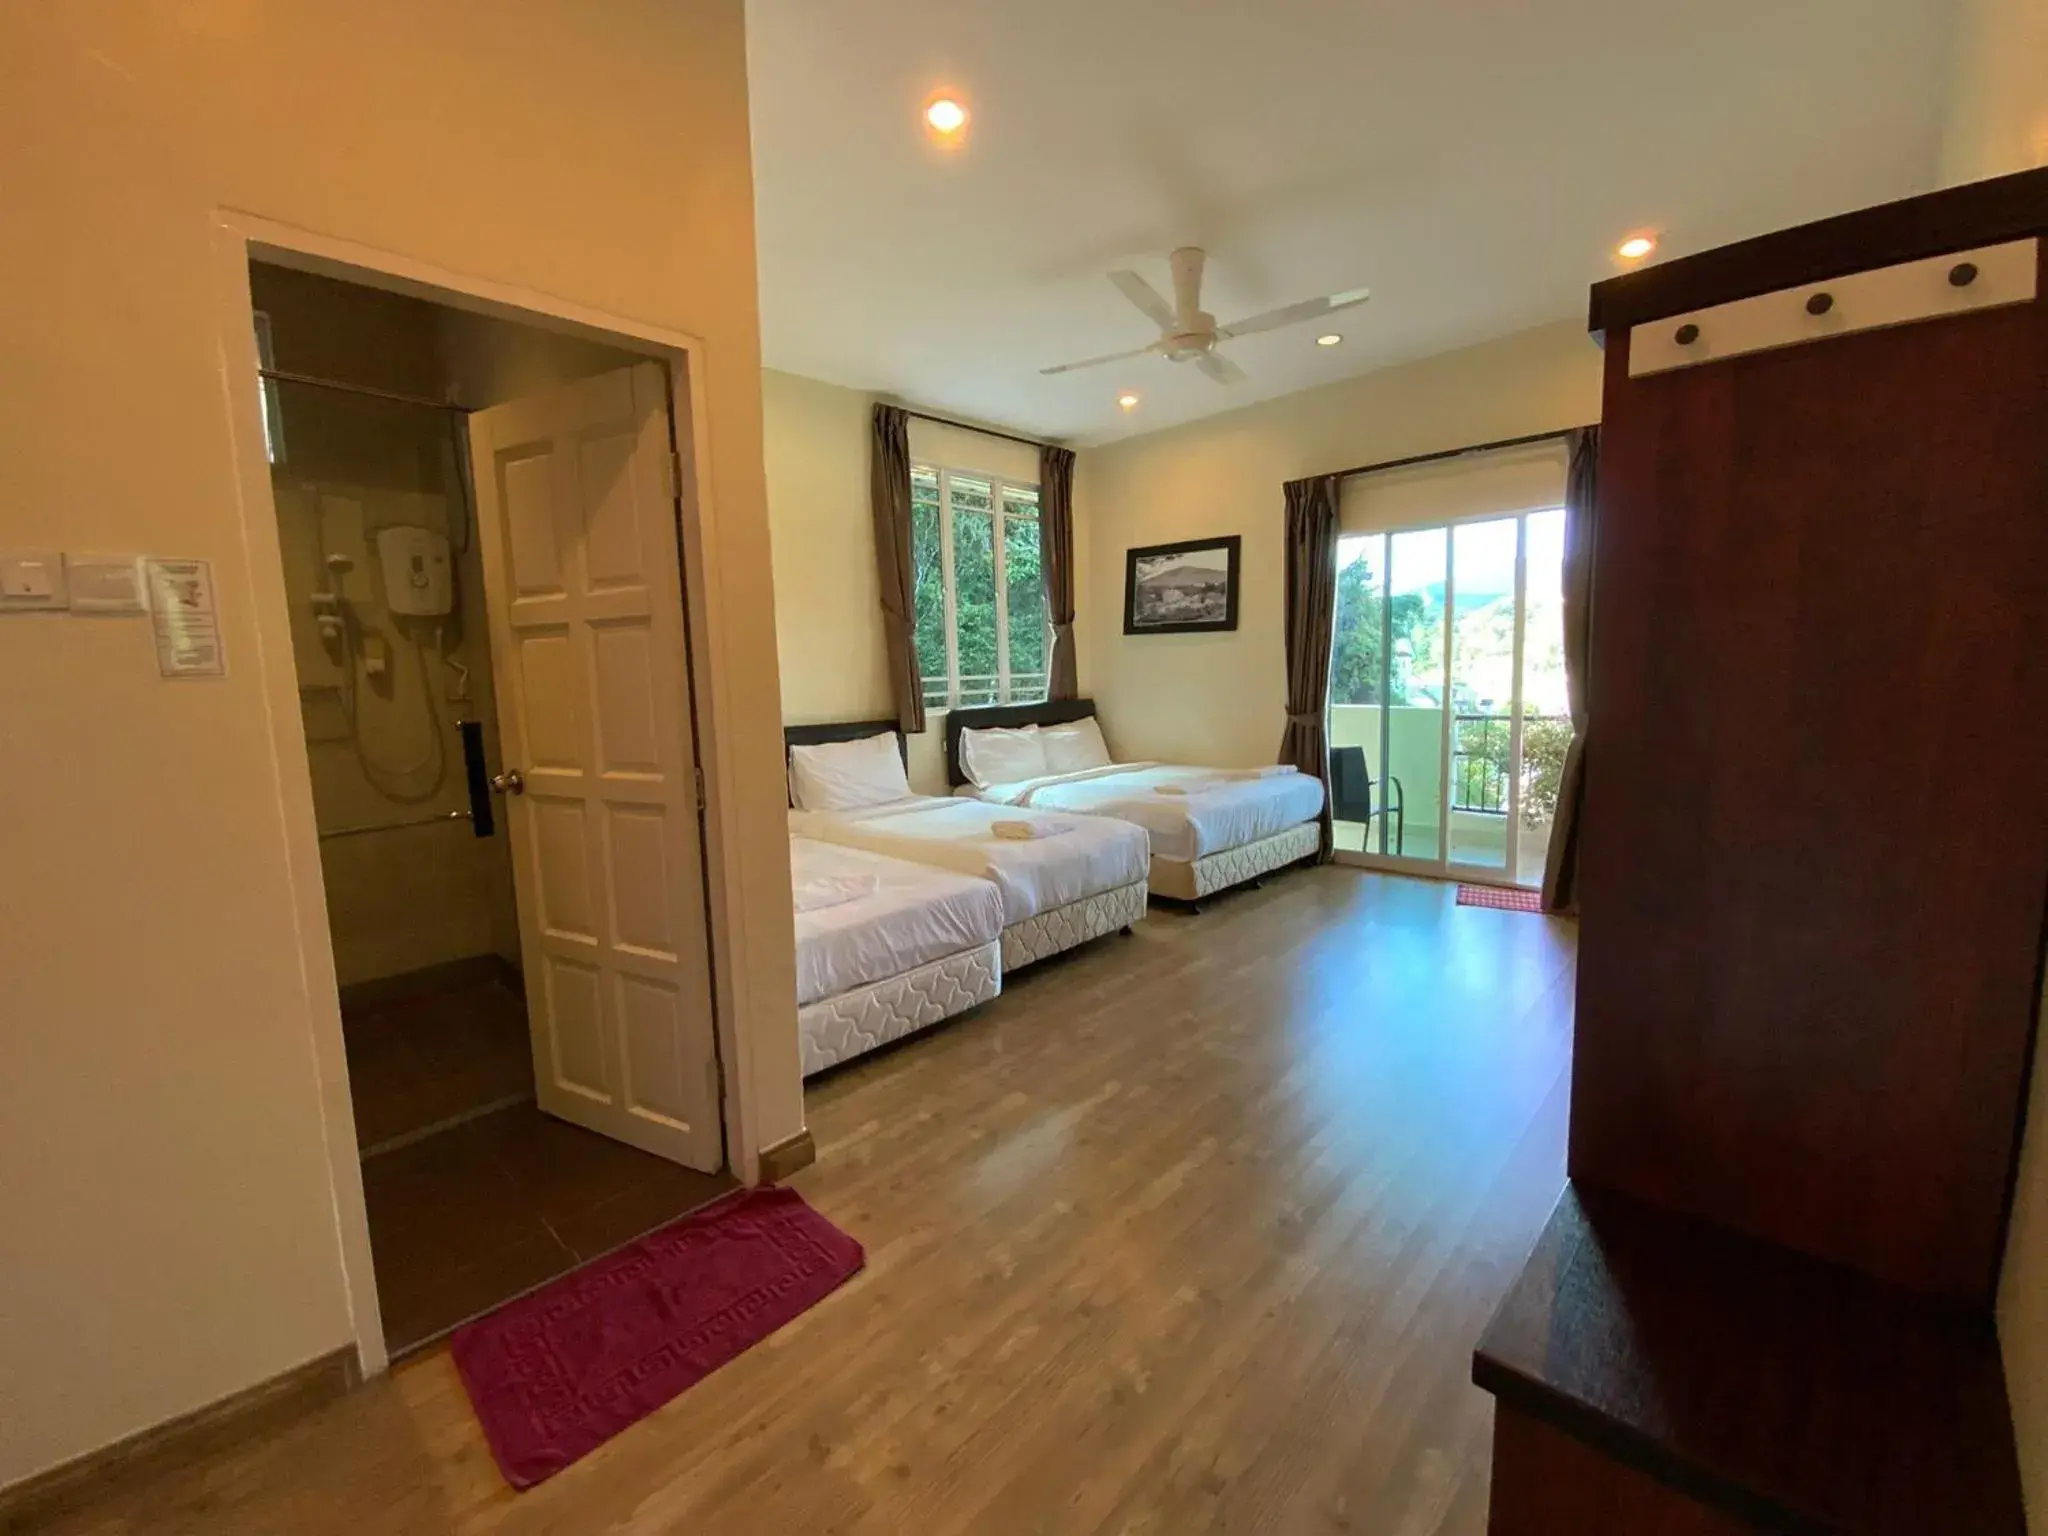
<point>982,636</point>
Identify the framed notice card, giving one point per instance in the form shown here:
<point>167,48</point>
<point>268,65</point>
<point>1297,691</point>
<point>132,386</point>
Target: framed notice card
<point>187,624</point>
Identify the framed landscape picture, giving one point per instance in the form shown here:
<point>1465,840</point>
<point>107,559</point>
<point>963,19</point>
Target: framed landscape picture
<point>1181,589</point>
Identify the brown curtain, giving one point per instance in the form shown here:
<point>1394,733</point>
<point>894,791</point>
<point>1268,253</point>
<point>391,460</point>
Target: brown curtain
<point>1311,611</point>
<point>889,498</point>
<point>1056,558</point>
<point>1581,498</point>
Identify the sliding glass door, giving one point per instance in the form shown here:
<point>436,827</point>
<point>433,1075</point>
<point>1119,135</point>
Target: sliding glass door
<point>1448,717</point>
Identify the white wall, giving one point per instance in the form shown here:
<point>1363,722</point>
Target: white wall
<point>828,614</point>
<point>169,1228</point>
<point>1998,90</point>
<point>1222,698</point>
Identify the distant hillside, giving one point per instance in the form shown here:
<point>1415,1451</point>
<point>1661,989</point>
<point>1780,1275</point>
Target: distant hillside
<point>1183,576</point>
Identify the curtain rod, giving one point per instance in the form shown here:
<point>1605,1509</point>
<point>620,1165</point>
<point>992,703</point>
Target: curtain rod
<point>943,421</point>
<point>1457,453</point>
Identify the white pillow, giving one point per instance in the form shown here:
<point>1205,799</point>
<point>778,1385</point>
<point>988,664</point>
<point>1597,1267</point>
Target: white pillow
<point>846,775</point>
<point>1002,756</point>
<point>1073,747</point>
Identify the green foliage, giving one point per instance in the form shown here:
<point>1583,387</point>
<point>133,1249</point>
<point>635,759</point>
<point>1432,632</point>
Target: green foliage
<point>974,585</point>
<point>1355,652</point>
<point>1545,740</point>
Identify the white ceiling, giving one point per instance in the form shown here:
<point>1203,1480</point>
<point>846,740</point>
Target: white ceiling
<point>1473,163</point>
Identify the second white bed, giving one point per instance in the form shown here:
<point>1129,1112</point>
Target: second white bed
<point>885,947</point>
<point>1082,877</point>
<point>1189,813</point>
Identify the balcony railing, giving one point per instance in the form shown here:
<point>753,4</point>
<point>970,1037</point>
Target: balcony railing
<point>984,688</point>
<point>1479,761</point>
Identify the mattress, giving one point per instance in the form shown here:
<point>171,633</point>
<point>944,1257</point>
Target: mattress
<point>1087,855</point>
<point>913,914</point>
<point>1210,815</point>
<point>1191,881</point>
<point>1075,923</point>
<point>837,1029</point>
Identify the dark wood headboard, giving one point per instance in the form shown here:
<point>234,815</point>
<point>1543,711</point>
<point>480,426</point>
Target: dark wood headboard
<point>841,730</point>
<point>1052,712</point>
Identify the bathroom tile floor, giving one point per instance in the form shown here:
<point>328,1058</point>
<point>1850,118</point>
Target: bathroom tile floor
<point>473,1200</point>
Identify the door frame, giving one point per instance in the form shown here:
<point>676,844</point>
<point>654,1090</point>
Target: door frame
<point>241,237</point>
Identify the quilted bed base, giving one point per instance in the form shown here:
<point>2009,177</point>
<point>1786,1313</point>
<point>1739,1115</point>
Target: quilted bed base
<point>837,1029</point>
<point>1233,866</point>
<point>1075,923</point>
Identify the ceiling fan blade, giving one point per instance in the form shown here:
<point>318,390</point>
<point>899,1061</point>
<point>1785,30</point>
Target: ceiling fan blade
<point>1146,297</point>
<point>1293,314</point>
<point>1220,368</point>
<point>1096,362</point>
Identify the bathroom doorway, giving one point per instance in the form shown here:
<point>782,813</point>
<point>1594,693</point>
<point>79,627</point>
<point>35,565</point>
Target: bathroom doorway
<point>475,518</point>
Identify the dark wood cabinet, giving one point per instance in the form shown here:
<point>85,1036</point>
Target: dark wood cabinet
<point>1814,866</point>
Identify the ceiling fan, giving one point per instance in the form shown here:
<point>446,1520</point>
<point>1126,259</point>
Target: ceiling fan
<point>1188,333</point>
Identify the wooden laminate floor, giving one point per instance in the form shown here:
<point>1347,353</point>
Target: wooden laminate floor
<point>1188,1232</point>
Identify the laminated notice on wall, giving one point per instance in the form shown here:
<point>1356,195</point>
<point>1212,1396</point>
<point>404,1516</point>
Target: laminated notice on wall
<point>187,626</point>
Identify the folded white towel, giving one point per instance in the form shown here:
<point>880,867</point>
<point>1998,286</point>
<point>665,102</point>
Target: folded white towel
<point>832,891</point>
<point>1026,831</point>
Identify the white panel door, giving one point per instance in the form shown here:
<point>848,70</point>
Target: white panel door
<point>577,521</point>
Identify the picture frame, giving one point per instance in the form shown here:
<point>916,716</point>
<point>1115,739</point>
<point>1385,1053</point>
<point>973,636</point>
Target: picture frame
<point>1185,588</point>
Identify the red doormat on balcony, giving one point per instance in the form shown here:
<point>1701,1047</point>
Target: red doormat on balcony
<point>1506,898</point>
<point>556,1374</point>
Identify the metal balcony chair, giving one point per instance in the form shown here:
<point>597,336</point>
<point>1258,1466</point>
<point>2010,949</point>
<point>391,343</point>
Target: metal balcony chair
<point>1351,797</point>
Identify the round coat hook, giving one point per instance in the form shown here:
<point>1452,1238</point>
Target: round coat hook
<point>1686,334</point>
<point>1820,303</point>
<point>1962,274</point>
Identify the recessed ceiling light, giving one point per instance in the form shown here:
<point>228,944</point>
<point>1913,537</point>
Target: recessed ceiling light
<point>946,115</point>
<point>1128,402</point>
<point>1328,341</point>
<point>1635,247</point>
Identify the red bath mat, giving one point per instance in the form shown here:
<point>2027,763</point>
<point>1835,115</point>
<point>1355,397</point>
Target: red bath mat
<point>556,1374</point>
<point>1506,899</point>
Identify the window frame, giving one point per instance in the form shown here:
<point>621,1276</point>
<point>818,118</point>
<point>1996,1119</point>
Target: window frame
<point>999,488</point>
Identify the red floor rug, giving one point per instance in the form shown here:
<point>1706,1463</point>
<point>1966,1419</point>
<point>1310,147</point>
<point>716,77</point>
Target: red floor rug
<point>556,1374</point>
<point>1503,897</point>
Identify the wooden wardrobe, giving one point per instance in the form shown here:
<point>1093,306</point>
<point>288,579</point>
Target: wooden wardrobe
<point>1813,880</point>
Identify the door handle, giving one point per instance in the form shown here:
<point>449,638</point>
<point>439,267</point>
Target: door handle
<point>511,782</point>
<point>476,777</point>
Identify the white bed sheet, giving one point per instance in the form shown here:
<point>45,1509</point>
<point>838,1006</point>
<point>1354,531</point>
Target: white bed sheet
<point>1212,814</point>
<point>917,914</point>
<point>1092,855</point>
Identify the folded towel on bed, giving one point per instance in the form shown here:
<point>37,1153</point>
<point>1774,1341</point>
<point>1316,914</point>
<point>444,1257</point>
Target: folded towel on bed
<point>1026,831</point>
<point>832,891</point>
<point>1273,771</point>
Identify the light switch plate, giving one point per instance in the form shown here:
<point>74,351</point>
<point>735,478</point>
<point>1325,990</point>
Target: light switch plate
<point>105,583</point>
<point>32,581</point>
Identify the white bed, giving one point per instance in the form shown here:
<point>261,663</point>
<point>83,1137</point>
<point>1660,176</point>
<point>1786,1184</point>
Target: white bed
<point>1074,879</point>
<point>884,948</point>
<point>1209,827</point>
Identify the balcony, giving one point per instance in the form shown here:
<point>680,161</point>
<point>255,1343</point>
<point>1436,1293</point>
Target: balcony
<point>1477,798</point>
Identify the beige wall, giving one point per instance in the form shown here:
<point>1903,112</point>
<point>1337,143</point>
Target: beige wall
<point>169,1120</point>
<point>828,619</point>
<point>1998,90</point>
<point>1221,698</point>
